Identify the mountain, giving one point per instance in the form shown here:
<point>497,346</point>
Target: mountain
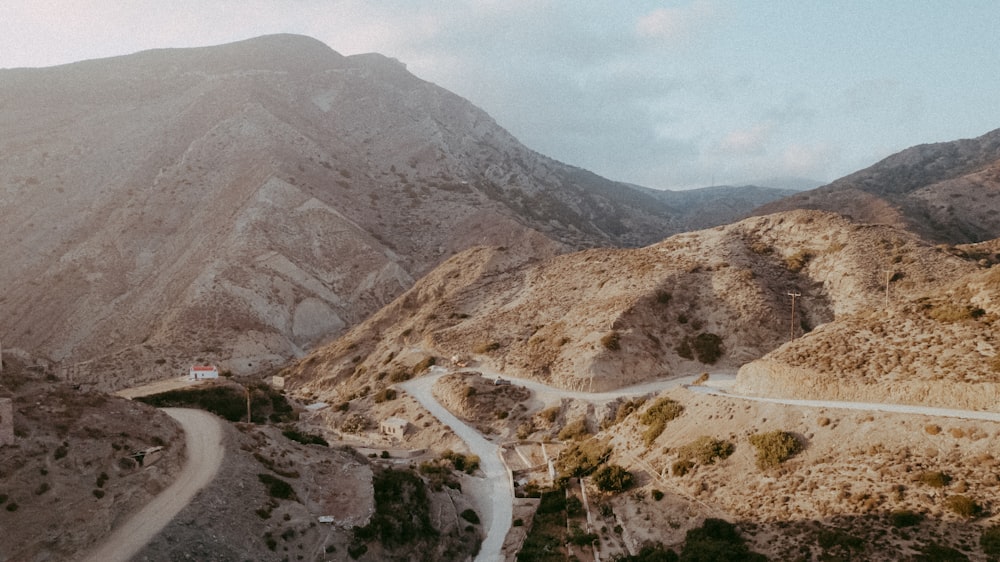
<point>239,203</point>
<point>607,318</point>
<point>722,204</point>
<point>946,192</point>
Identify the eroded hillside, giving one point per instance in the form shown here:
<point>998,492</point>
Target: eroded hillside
<point>599,319</point>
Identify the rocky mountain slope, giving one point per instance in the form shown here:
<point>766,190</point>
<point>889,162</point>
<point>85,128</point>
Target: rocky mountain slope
<point>947,192</point>
<point>240,203</point>
<point>606,318</point>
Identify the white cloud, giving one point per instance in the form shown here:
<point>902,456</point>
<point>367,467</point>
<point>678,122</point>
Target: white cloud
<point>675,23</point>
<point>752,141</point>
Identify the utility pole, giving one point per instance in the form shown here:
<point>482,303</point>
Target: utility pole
<point>888,278</point>
<point>794,295</point>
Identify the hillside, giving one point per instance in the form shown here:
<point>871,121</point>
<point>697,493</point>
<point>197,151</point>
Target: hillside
<point>239,203</point>
<point>946,192</point>
<point>607,318</point>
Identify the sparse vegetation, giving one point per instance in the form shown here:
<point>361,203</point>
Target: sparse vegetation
<point>574,430</point>
<point>611,341</point>
<point>613,478</point>
<point>705,450</point>
<point>582,459</point>
<point>774,448</point>
<point>905,518</point>
<point>934,479</point>
<point>963,506</point>
<point>277,488</point>
<point>657,416</point>
<point>304,438</point>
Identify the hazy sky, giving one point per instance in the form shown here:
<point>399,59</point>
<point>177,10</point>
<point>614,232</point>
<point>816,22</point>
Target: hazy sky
<point>668,94</point>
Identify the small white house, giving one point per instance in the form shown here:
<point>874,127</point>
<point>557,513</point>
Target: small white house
<point>394,427</point>
<point>200,372</point>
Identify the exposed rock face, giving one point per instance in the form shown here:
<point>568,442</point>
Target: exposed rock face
<point>239,203</point>
<point>946,192</point>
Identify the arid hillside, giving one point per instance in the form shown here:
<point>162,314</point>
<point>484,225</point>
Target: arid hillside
<point>947,192</point>
<point>240,203</point>
<point>710,300</point>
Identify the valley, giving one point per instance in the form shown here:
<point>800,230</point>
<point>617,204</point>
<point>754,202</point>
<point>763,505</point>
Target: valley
<point>429,342</point>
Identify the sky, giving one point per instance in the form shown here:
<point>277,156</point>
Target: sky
<point>665,94</point>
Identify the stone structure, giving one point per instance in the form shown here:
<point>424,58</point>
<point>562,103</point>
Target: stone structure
<point>394,427</point>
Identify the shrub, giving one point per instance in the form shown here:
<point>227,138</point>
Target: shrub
<point>424,364</point>
<point>706,450</point>
<point>611,341</point>
<point>385,395</point>
<point>574,430</point>
<point>990,541</point>
<point>98,493</point>
<point>707,347</point>
<point>932,429</point>
<point>774,448</point>
<point>277,488</point>
<point>518,522</point>
<point>683,349</point>
<point>717,540</point>
<point>964,506</point>
<point>400,375</point>
<point>681,467</point>
<point>304,438</point>
<point>657,416</point>
<point>470,516</point>
<point>905,518</point>
<point>797,261</point>
<point>402,510</point>
<point>582,459</point>
<point>549,414</point>
<point>613,478</point>
<point>486,347</point>
<point>934,479</point>
<point>657,495</point>
<point>663,297</point>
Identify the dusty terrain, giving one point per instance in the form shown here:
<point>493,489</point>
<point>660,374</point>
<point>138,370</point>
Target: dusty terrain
<point>70,475</point>
<point>602,319</point>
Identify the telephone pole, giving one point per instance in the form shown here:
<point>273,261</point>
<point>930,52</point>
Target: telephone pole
<point>888,278</point>
<point>794,295</point>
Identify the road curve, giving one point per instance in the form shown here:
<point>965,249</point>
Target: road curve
<point>203,436</point>
<point>497,521</point>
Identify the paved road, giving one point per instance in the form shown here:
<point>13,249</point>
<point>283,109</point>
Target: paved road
<point>864,406</point>
<point>203,435</point>
<point>497,520</point>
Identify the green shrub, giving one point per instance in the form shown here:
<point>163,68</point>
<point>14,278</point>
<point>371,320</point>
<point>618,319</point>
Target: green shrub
<point>964,506</point>
<point>470,516</point>
<point>684,350</point>
<point>905,518</point>
<point>277,488</point>
<point>707,347</point>
<point>304,438</point>
<point>990,541</point>
<point>402,511</point>
<point>717,540</point>
<point>613,478</point>
<point>657,416</point>
<point>774,448</point>
<point>934,479</point>
<point>706,450</point>
<point>583,458</point>
<point>574,430</point>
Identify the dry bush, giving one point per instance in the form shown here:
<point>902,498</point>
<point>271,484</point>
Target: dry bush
<point>706,450</point>
<point>934,478</point>
<point>657,416</point>
<point>964,506</point>
<point>611,341</point>
<point>574,430</point>
<point>932,429</point>
<point>774,448</point>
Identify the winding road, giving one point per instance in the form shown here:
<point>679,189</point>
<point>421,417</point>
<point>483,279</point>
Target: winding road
<point>203,436</point>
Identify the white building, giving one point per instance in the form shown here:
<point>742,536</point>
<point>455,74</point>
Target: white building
<point>200,372</point>
<point>394,427</point>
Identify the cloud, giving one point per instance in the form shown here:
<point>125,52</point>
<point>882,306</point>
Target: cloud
<point>752,141</point>
<point>675,23</point>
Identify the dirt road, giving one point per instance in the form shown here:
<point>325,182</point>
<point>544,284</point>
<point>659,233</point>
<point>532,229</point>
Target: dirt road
<point>203,436</point>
